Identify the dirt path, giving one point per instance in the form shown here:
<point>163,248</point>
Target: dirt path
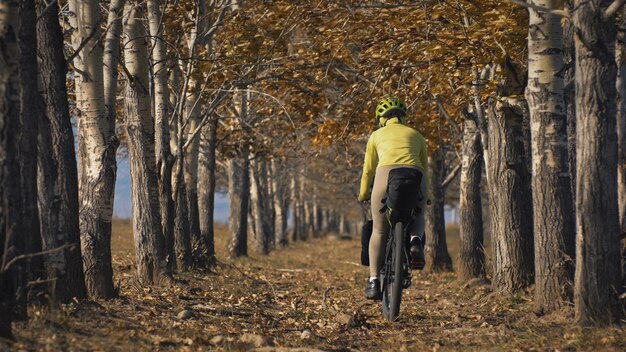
<point>306,296</point>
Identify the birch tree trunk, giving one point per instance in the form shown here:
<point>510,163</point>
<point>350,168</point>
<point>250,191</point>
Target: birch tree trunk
<point>258,193</point>
<point>9,172</point>
<point>164,159</point>
<point>206,193</point>
<point>57,174</point>
<point>295,218</point>
<point>598,271</point>
<point>472,251</point>
<point>140,131</point>
<point>238,194</point>
<point>302,230</point>
<point>280,218</point>
<point>111,55</point>
<point>510,199</point>
<point>437,256</point>
<point>190,159</point>
<point>552,201</point>
<point>97,145</point>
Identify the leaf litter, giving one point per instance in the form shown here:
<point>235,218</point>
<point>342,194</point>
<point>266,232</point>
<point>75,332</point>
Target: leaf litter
<point>305,297</point>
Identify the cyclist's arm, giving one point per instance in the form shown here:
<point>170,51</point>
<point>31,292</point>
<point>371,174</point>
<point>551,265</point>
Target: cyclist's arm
<point>369,170</point>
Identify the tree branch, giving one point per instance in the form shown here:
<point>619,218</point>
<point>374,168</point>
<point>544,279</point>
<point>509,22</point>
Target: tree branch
<point>613,8</point>
<point>84,42</point>
<point>48,7</point>
<point>562,13</point>
<point>445,113</point>
<point>452,175</point>
<point>32,255</point>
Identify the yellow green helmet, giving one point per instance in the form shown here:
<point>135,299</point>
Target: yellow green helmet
<point>390,107</point>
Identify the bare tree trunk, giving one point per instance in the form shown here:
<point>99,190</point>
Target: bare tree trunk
<point>111,55</point>
<point>280,218</point>
<point>510,199</point>
<point>472,251</point>
<point>9,169</point>
<point>598,269</point>
<point>302,230</point>
<point>164,159</point>
<point>206,193</point>
<point>295,217</point>
<point>238,194</point>
<point>190,160</point>
<point>552,201</point>
<point>182,239</point>
<point>259,209</point>
<point>30,114</point>
<point>621,135</point>
<point>58,177</point>
<point>140,131</point>
<point>569,99</point>
<point>437,256</point>
<point>239,191</point>
<point>97,145</point>
<point>269,218</point>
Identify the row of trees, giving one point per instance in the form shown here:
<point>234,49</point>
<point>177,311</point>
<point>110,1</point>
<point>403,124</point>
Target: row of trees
<point>156,78</point>
<point>279,96</point>
<point>527,90</point>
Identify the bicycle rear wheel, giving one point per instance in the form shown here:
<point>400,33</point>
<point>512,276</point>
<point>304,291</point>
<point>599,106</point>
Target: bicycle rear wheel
<point>393,277</point>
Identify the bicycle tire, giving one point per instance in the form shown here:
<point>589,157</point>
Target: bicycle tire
<point>394,276</point>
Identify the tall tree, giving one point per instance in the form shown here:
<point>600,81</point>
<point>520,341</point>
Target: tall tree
<point>206,178</point>
<point>97,146</point>
<point>552,202</point>
<point>239,189</point>
<point>598,270</point>
<point>239,197</point>
<point>9,172</point>
<point>30,113</point>
<point>258,194</point>
<point>57,172</point>
<point>139,127</point>
<point>472,251</point>
<point>278,197</point>
<point>437,256</point>
<point>164,157</point>
<point>509,195</point>
<point>569,98</point>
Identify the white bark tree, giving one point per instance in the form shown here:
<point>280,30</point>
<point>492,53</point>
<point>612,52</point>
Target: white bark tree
<point>97,146</point>
<point>139,126</point>
<point>552,201</point>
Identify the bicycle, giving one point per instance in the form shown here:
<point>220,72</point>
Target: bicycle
<point>396,261</point>
<point>400,207</point>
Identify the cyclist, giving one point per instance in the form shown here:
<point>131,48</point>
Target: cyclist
<point>392,146</point>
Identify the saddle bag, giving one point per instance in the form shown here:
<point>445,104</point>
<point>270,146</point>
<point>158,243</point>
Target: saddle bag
<point>403,193</point>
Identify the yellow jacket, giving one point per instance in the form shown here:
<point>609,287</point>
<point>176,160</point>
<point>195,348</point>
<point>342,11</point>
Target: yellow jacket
<point>394,144</point>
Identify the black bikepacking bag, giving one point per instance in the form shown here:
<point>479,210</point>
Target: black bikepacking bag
<point>366,234</point>
<point>403,193</point>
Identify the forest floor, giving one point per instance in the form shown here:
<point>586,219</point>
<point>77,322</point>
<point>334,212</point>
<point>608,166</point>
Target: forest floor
<point>305,297</point>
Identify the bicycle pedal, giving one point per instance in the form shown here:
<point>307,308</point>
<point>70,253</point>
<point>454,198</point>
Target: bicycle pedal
<point>407,280</point>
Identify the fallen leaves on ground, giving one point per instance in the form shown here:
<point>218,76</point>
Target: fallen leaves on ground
<point>305,297</point>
